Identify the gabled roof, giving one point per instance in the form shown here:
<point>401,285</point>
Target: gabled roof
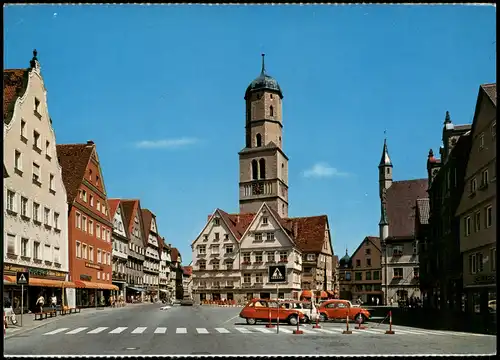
<point>174,255</point>
<point>491,91</point>
<point>73,159</point>
<point>113,205</point>
<point>309,232</point>
<point>401,199</point>
<point>237,223</point>
<point>187,270</point>
<point>423,210</point>
<point>130,207</point>
<point>15,82</point>
<point>147,217</point>
<point>374,240</point>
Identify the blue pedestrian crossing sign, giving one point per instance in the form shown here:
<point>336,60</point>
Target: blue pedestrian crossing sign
<point>23,277</point>
<point>277,273</point>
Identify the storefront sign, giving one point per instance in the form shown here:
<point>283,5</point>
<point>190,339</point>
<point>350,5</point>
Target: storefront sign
<point>34,271</point>
<point>85,277</point>
<point>484,279</point>
<point>93,266</point>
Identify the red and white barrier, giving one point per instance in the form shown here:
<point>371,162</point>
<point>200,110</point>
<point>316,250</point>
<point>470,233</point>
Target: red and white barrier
<point>298,331</point>
<point>390,331</point>
<point>347,331</point>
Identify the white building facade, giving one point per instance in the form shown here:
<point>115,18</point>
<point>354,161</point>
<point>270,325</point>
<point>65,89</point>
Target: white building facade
<point>165,272</point>
<point>36,210</point>
<point>120,249</point>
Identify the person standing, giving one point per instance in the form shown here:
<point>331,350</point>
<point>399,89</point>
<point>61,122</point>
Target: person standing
<point>40,302</point>
<point>53,302</point>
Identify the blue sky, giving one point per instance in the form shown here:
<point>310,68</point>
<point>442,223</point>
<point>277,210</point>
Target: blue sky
<point>175,77</point>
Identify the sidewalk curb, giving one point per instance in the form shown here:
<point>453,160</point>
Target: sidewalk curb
<point>43,323</point>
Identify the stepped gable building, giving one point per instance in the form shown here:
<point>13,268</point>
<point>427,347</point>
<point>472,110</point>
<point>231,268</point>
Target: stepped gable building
<point>89,224</point>
<point>232,253</point>
<point>120,240</point>
<point>399,244</point>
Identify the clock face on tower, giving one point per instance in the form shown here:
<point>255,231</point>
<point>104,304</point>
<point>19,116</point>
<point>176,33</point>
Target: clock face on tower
<point>257,188</point>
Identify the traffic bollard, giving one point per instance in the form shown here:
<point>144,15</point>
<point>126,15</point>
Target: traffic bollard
<point>270,325</point>
<point>390,331</point>
<point>298,331</point>
<point>317,326</point>
<point>347,331</point>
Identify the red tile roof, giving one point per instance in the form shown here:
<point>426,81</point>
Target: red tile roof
<point>187,270</point>
<point>130,207</point>
<point>112,206</point>
<point>401,200</point>
<point>147,217</point>
<point>174,255</point>
<point>73,159</point>
<point>15,82</point>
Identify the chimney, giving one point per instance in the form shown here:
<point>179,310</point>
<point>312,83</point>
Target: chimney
<point>90,142</point>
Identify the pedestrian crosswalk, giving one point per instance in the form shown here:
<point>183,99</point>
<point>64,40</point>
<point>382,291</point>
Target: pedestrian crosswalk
<point>258,329</point>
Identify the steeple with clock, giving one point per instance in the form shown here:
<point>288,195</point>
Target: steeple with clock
<point>263,163</point>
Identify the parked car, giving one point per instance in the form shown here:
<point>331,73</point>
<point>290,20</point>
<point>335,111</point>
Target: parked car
<point>307,308</point>
<point>339,309</point>
<point>260,310</point>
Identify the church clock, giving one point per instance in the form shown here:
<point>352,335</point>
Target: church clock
<point>257,188</point>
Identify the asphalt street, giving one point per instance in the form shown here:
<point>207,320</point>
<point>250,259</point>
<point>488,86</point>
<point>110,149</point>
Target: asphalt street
<point>200,330</point>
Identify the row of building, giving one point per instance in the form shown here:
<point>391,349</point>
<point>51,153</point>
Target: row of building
<point>60,225</point>
<point>437,238</point>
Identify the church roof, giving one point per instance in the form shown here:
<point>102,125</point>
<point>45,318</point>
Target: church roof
<point>264,82</point>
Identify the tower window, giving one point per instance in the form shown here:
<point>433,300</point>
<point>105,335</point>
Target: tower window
<point>388,171</point>
<point>271,111</point>
<point>255,170</point>
<point>262,166</point>
<point>271,96</point>
<point>280,140</point>
<point>258,140</point>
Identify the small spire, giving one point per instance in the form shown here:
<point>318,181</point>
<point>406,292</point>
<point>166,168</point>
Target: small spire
<point>263,70</point>
<point>385,160</point>
<point>431,154</point>
<point>447,119</point>
<point>34,59</point>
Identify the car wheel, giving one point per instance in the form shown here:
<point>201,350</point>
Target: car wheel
<point>293,320</point>
<point>322,317</point>
<point>306,319</point>
<point>251,321</point>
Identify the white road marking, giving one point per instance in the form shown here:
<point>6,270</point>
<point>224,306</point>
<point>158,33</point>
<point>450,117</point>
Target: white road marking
<point>76,331</point>
<point>244,331</point>
<point>98,330</point>
<point>118,330</point>
<point>160,330</point>
<point>369,331</point>
<point>285,330</point>
<point>57,331</point>
<point>181,331</point>
<point>139,330</point>
<point>222,330</point>
<point>264,330</point>
<point>202,331</point>
<point>327,331</point>
<point>413,332</point>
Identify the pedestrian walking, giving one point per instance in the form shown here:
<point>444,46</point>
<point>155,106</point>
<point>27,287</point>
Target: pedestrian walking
<point>53,302</point>
<point>40,302</point>
<point>377,300</point>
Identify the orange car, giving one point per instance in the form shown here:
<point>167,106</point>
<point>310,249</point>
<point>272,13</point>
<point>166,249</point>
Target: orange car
<point>259,310</point>
<point>338,309</point>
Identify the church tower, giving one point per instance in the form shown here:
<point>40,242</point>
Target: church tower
<point>263,163</point>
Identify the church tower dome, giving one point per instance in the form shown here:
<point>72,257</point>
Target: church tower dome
<point>264,82</point>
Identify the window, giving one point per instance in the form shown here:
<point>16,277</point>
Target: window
<point>259,278</point>
<point>271,111</point>
<point>91,253</point>
<point>11,244</point>
<point>416,272</point>
<point>24,206</point>
<point>477,221</point>
<point>217,237</point>
<point>376,275</point>
<point>98,275</point>
<point>229,265</point>
<point>98,231</point>
<point>481,141</point>
<point>23,129</point>
<point>270,257</point>
<point>258,140</point>
<point>11,201</point>
<point>247,278</point>
<point>493,261</point>
<point>56,220</point>
<point>255,170</point>
<point>98,207</point>
<point>78,249</point>
<point>84,251</point>
<point>36,140</point>
<point>258,237</point>
<point>24,247</point>
<point>36,250</point>
<point>202,250</point>
<point>17,161</point>
<point>270,236</point>
<point>358,276</point>
<point>258,258</point>
<point>215,265</point>
<point>51,182</point>
<point>78,219</point>
<point>368,275</point>
<point>46,216</point>
<point>47,149</point>
<point>84,223</point>
<point>229,249</point>
<point>36,173</point>
<point>264,220</point>
<point>246,258</point>
<point>467,226</point>
<point>368,262</point>
<point>397,250</point>
<point>91,200</point>
<point>37,104</point>
<point>358,262</point>
<point>368,251</point>
<point>109,258</point>
<point>283,256</point>
<point>57,255</point>
<point>215,249</point>
<point>202,265</point>
<point>216,221</point>
<point>398,273</point>
<point>107,276</point>
<point>84,195</point>
<point>484,178</point>
<point>311,257</point>
<point>91,227</point>
<point>262,168</point>
<point>489,216</point>
<point>473,185</point>
<point>36,212</point>
<point>99,256</point>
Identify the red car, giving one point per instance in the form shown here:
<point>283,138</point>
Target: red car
<point>260,310</point>
<point>338,309</point>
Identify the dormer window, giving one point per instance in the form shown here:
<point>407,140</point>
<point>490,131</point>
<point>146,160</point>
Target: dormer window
<point>216,221</point>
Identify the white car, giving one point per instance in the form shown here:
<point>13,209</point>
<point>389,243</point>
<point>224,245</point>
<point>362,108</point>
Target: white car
<point>305,307</point>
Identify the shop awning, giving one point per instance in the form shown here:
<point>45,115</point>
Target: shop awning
<point>306,294</point>
<point>109,287</point>
<point>9,279</point>
<point>323,295</point>
<point>45,282</point>
<point>136,289</point>
<point>86,284</point>
<point>163,291</point>
<point>69,284</point>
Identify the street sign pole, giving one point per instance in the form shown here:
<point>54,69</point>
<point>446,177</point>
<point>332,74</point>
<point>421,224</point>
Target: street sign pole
<point>278,302</point>
<point>22,303</point>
